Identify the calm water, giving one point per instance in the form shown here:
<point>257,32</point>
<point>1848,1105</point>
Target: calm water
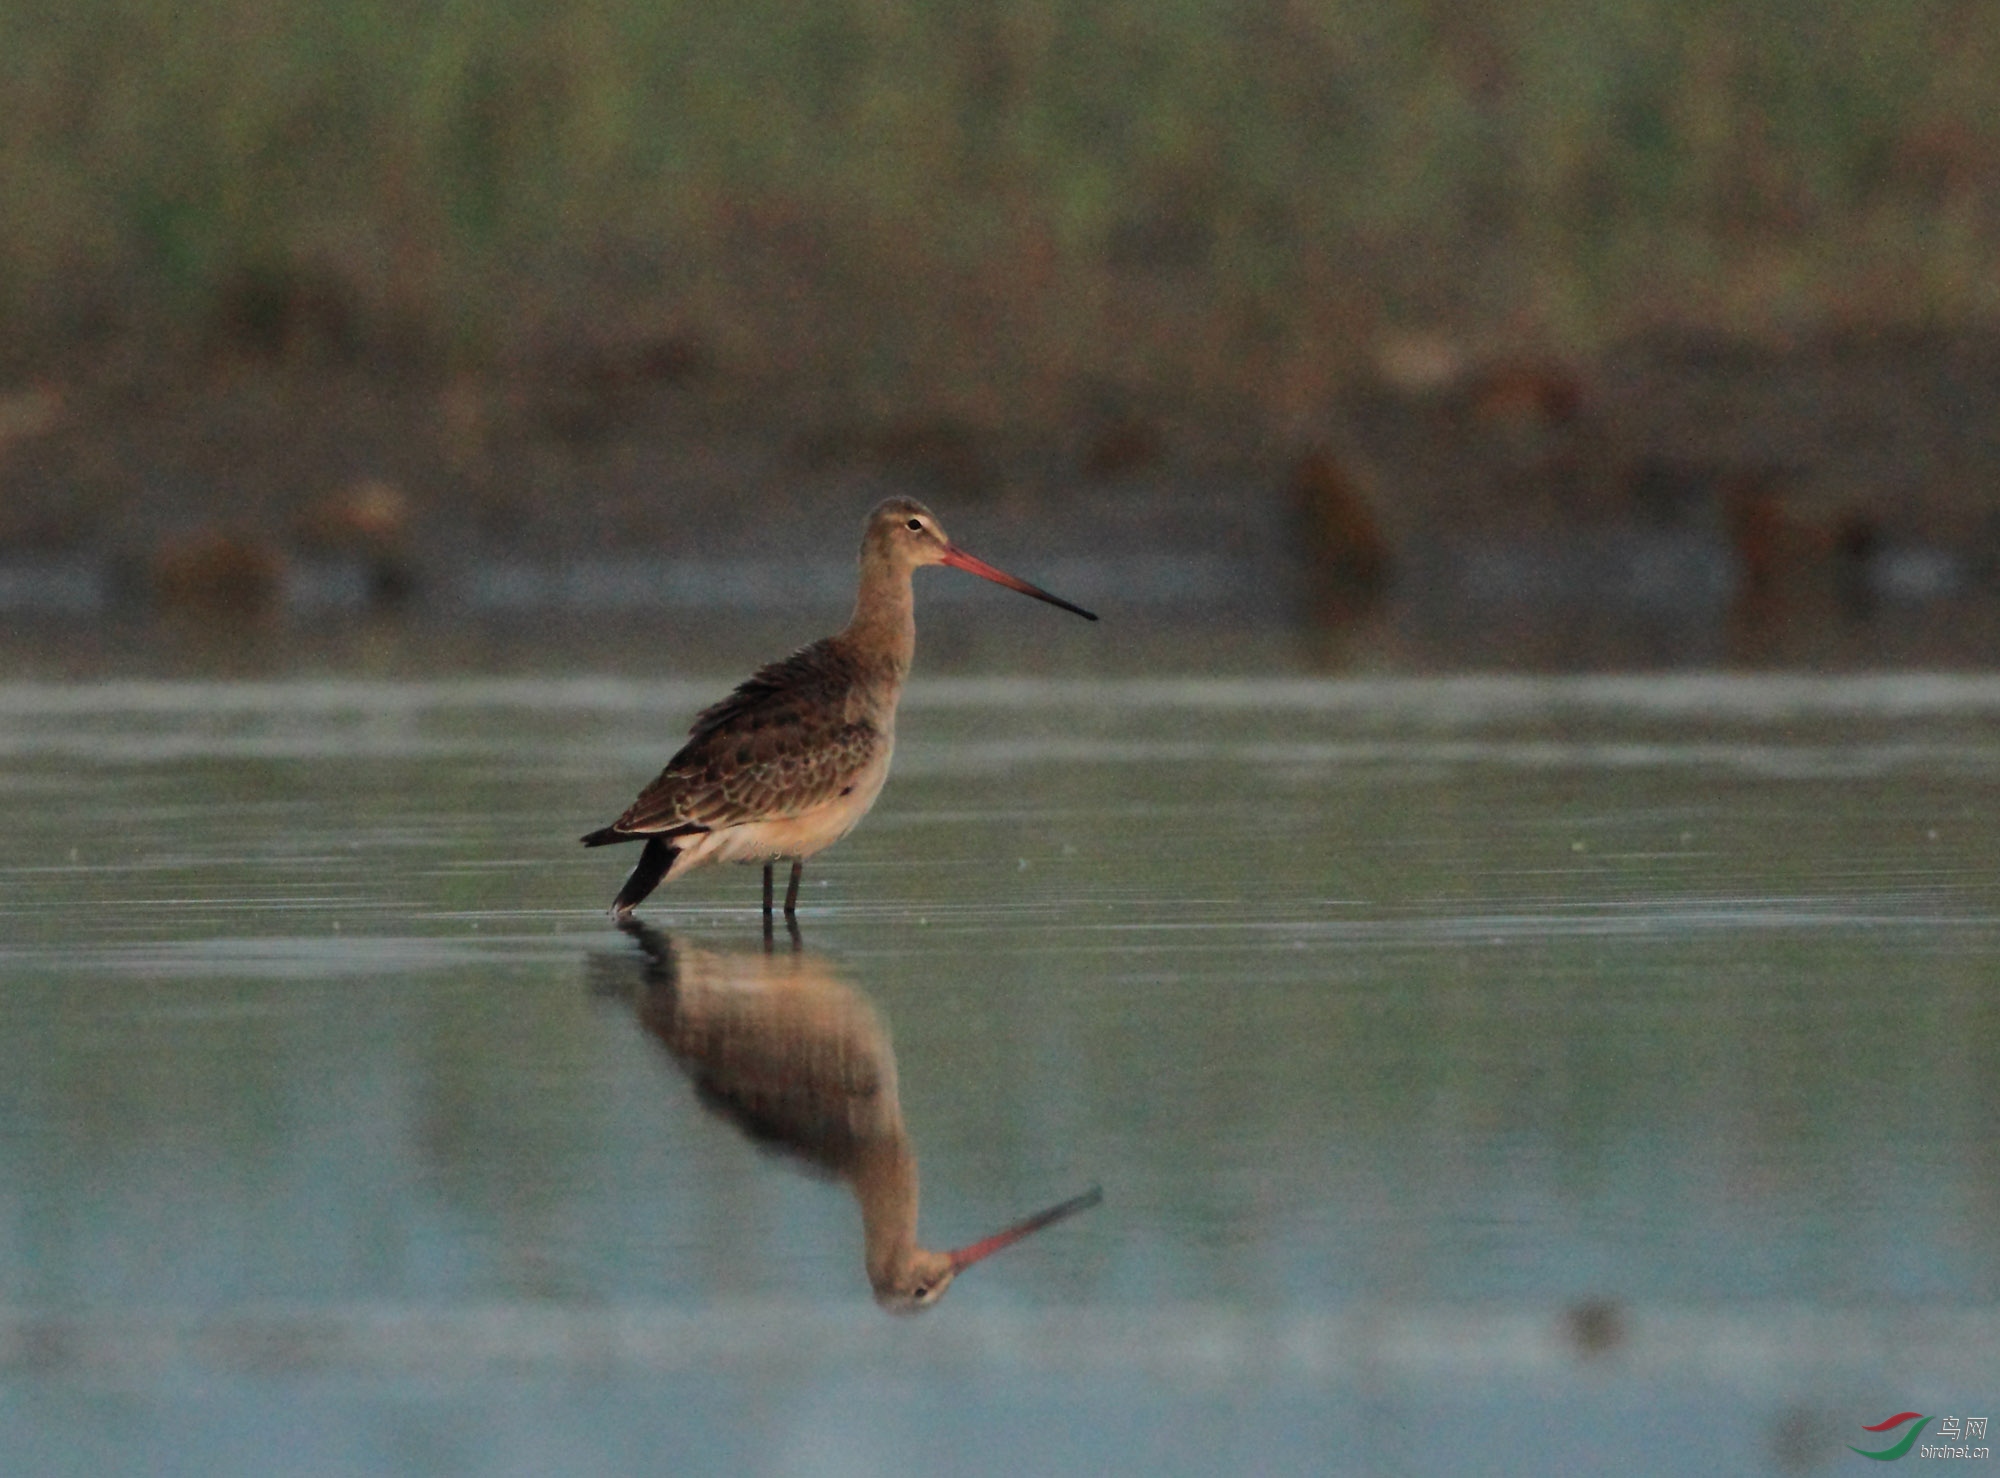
<point>1498,1075</point>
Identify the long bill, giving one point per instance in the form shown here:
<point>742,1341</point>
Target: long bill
<point>979,1251</point>
<point>958,559</point>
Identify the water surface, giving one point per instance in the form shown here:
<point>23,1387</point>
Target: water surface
<point>1490,1074</point>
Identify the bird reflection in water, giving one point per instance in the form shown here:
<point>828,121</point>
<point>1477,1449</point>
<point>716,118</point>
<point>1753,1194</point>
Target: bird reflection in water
<point>796,1058</point>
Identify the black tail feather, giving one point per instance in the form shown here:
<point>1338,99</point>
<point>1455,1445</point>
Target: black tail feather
<point>604,836</point>
<point>653,864</point>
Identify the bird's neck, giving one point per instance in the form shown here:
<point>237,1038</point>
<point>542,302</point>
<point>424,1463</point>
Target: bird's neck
<point>884,1181</point>
<point>883,628</point>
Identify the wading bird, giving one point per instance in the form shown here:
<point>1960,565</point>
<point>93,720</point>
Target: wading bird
<point>797,1059</point>
<point>790,761</point>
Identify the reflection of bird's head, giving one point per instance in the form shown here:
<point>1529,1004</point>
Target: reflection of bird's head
<point>914,1282</point>
<point>918,1284</point>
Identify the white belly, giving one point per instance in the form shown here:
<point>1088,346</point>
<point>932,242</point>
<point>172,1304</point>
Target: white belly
<point>800,836</point>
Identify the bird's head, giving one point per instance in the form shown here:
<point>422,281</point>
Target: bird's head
<point>907,535</point>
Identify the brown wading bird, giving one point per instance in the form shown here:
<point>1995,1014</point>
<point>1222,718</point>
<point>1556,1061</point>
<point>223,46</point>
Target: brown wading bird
<point>790,761</point>
<point>797,1059</point>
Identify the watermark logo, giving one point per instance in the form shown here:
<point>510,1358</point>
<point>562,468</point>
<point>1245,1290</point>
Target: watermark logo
<point>1890,1454</point>
<point>1954,1438</point>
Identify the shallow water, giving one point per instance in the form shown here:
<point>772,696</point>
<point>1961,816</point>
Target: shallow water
<point>1498,1075</point>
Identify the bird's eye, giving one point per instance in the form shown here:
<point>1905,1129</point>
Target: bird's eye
<point>914,525</point>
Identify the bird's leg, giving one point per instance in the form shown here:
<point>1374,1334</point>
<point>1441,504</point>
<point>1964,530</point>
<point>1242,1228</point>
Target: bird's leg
<point>792,892</point>
<point>768,865</point>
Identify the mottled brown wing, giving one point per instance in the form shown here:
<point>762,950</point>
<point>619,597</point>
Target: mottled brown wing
<point>777,1044</point>
<point>817,1096</point>
<point>777,746</point>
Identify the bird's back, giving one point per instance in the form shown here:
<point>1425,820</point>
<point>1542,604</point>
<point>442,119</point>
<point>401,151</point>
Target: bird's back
<point>785,740</point>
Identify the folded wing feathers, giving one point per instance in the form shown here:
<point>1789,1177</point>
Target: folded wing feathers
<point>777,746</point>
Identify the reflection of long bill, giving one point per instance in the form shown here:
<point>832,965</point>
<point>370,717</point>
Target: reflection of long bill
<point>978,1251</point>
<point>958,559</point>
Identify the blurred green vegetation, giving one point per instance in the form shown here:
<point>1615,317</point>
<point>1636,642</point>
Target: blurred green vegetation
<point>977,204</point>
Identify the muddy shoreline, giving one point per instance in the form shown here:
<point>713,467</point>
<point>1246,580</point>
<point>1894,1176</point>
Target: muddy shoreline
<point>1681,502</point>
